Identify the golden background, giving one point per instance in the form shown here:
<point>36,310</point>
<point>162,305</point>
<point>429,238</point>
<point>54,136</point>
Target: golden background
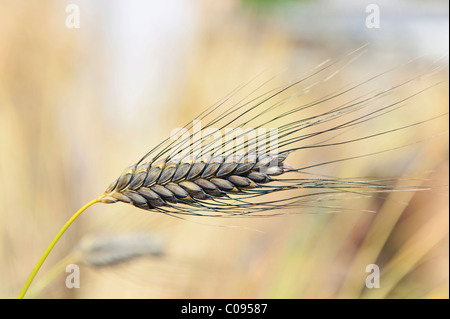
<point>78,105</point>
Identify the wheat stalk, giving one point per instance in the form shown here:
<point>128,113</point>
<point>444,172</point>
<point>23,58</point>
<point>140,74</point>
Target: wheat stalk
<point>235,181</point>
<point>104,250</point>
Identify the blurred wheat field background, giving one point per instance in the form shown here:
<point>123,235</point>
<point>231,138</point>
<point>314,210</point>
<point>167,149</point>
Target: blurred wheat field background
<point>79,105</point>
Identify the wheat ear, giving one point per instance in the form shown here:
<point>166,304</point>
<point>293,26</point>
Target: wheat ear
<point>234,183</point>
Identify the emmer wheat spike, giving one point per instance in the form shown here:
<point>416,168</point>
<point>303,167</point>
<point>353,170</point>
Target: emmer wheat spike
<point>207,173</point>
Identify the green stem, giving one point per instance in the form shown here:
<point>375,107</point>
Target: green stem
<point>50,275</point>
<point>52,244</point>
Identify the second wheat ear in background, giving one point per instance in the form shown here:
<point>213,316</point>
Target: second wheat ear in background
<point>207,173</point>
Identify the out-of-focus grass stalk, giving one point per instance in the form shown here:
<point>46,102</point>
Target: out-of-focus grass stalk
<point>52,274</point>
<point>429,235</point>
